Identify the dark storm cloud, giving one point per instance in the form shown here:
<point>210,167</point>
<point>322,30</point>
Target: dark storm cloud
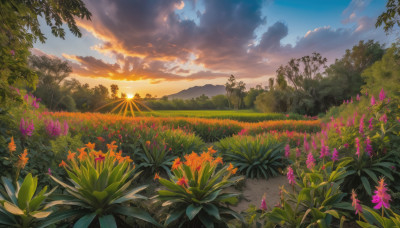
<point>149,40</point>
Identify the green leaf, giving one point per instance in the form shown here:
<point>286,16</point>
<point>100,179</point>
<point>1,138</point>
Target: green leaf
<point>212,210</point>
<point>85,221</point>
<point>207,222</point>
<point>366,184</point>
<point>136,213</point>
<point>107,221</point>
<point>10,190</point>
<point>59,217</point>
<point>26,192</point>
<point>13,209</point>
<point>192,210</point>
<point>174,216</point>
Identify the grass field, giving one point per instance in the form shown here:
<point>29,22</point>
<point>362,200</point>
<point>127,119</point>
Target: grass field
<point>240,115</point>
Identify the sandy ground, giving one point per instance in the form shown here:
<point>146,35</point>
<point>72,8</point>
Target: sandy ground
<point>254,190</point>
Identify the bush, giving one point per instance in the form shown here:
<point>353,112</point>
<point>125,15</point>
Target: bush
<point>181,143</point>
<point>255,156</point>
<point>195,192</point>
<point>101,189</point>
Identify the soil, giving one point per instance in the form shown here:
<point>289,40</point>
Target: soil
<point>254,189</point>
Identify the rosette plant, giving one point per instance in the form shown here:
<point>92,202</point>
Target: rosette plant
<point>195,192</point>
<point>101,189</point>
<point>20,207</point>
<point>255,156</point>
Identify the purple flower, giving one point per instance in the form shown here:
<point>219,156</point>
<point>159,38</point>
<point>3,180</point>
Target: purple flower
<point>298,152</point>
<point>382,95</point>
<point>290,176</point>
<point>361,128</point>
<point>346,145</point>
<point>287,151</point>
<point>370,126</point>
<point>49,171</point>
<point>310,161</point>
<point>306,145</point>
<point>263,204</point>
<point>381,197</point>
<point>12,52</point>
<point>358,97</point>
<point>26,128</point>
<point>53,128</point>
<point>335,155</point>
<point>65,128</point>
<point>373,101</point>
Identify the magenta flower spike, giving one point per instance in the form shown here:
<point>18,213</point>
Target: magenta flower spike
<point>368,147</point>
<point>383,118</point>
<point>310,161</point>
<point>335,155</point>
<point>382,95</point>
<point>298,152</point>
<point>263,204</point>
<point>361,128</point>
<point>290,176</point>
<point>287,151</point>
<point>65,128</point>
<point>358,97</point>
<point>26,128</point>
<point>370,126</point>
<point>381,198</point>
<point>373,101</point>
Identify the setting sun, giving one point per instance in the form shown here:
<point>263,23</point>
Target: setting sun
<point>129,96</point>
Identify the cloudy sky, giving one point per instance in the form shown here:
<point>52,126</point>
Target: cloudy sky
<point>164,46</point>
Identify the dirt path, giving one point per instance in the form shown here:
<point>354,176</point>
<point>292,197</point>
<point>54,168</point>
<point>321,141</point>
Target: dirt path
<point>254,190</point>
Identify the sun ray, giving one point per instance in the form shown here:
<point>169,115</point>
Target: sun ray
<point>103,106</point>
<point>117,106</point>
<point>130,106</point>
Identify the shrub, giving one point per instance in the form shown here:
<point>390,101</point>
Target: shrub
<point>101,188</point>
<point>181,143</point>
<point>194,191</point>
<point>255,156</point>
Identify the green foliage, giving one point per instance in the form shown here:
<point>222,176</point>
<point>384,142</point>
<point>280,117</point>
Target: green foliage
<point>62,144</point>
<point>390,17</point>
<point>181,143</point>
<point>20,206</point>
<point>375,220</point>
<point>101,190</point>
<point>154,156</point>
<point>195,193</point>
<point>315,201</point>
<point>266,102</point>
<point>255,156</point>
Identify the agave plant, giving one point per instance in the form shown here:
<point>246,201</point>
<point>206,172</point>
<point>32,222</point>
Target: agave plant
<point>154,156</point>
<point>194,191</point>
<point>100,188</point>
<point>20,207</point>
<point>181,143</point>
<point>254,156</point>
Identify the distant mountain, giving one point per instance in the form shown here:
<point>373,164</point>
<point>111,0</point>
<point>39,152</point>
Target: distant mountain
<point>196,91</point>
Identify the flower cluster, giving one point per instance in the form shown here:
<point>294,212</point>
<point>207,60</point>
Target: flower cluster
<point>54,128</point>
<point>26,127</point>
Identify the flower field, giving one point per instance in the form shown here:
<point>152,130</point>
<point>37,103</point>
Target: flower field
<point>97,164</point>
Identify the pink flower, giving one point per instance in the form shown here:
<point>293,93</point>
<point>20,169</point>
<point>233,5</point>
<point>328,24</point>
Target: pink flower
<point>306,145</point>
<point>368,147</point>
<point>287,151</point>
<point>290,176</point>
<point>263,204</point>
<point>335,155</point>
<point>26,128</point>
<point>358,97</point>
<point>310,161</point>
<point>358,147</point>
<point>361,128</point>
<point>12,52</point>
<point>314,144</point>
<point>383,118</point>
<point>373,102</point>
<point>382,95</point>
<point>381,197</point>
<point>370,126</point>
<point>356,202</point>
<point>298,152</point>
<point>65,128</point>
<point>346,145</point>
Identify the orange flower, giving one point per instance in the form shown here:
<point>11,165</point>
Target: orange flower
<point>128,159</point>
<point>62,164</point>
<point>156,177</point>
<point>90,145</point>
<point>231,169</point>
<point>182,182</point>
<point>82,150</point>
<point>101,139</point>
<point>82,155</point>
<point>147,143</point>
<point>11,146</point>
<point>23,159</point>
<point>71,155</point>
<point>112,146</point>
<point>218,160</point>
<point>176,164</point>
<point>211,150</point>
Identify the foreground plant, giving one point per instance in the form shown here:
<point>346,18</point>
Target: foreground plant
<point>194,191</point>
<point>20,207</point>
<point>100,188</point>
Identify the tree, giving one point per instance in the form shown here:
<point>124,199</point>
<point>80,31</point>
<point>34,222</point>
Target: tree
<point>148,96</point>
<point>235,92</point>
<point>123,95</point>
<point>229,87</point>
<point>220,101</point>
<point>390,17</point>
<point>252,95</point>
<point>265,102</point>
<point>51,72</point>
<point>114,91</point>
<point>137,96</point>
<point>20,27</point>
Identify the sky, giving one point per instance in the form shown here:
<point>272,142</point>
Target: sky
<point>164,46</point>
